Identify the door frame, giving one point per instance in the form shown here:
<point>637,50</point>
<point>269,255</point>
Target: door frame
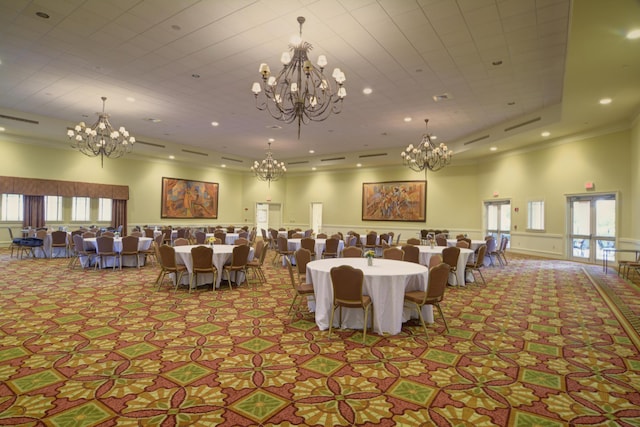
<point>593,238</point>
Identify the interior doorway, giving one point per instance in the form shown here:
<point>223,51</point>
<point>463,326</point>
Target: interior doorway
<point>268,215</point>
<point>316,217</point>
<point>592,226</point>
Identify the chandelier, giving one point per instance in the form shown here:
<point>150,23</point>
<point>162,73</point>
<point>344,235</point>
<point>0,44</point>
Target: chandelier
<point>426,155</point>
<point>101,139</point>
<point>300,92</point>
<point>269,169</point>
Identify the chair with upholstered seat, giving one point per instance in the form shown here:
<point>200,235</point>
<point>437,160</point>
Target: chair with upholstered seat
<point>168,265</point>
<point>309,244</point>
<point>105,250</point>
<point>241,241</point>
<point>331,248</point>
<point>282,249</point>
<point>180,241</point>
<point>303,257</point>
<point>137,234</point>
<point>435,259</point>
<point>59,240</point>
<point>108,234</point>
<point>347,283</point>
<point>300,290</point>
<point>441,241</point>
<point>219,234</point>
<point>258,260</point>
<point>80,251</point>
<point>424,236</point>
<point>149,232</point>
<point>492,249</point>
<point>434,294</point>
<point>352,252</point>
<point>370,241</point>
<point>413,241</point>
<point>200,236</point>
<point>502,249</point>
<point>130,248</point>
<point>462,244</point>
<point>239,259</point>
<point>411,253</point>
<point>393,253</point>
<point>322,236</point>
<point>202,257</point>
<point>450,257</point>
<point>478,263</point>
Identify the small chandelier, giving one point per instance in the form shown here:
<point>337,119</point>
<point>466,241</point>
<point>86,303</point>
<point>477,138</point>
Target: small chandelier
<point>426,155</point>
<point>268,169</point>
<point>101,139</point>
<point>300,92</point>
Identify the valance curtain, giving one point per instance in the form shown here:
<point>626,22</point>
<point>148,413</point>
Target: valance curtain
<point>33,211</point>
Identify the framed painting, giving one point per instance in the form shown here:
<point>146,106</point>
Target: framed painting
<point>182,198</point>
<point>394,201</point>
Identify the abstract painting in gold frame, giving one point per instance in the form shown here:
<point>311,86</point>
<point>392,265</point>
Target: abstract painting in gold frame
<point>394,201</point>
<point>182,198</point>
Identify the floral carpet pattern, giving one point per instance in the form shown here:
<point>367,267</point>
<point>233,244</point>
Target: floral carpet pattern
<point>544,343</point>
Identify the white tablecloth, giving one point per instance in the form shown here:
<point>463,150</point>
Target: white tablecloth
<point>425,255</point>
<point>295,244</point>
<point>221,256</point>
<point>385,282</point>
<point>475,244</point>
<point>144,243</point>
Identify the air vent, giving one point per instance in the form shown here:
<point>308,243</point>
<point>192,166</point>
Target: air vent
<point>332,159</point>
<point>443,97</point>
<point>232,160</point>
<point>195,152</point>
<point>19,119</point>
<point>477,139</point>
<point>151,144</point>
<point>537,119</point>
<point>301,162</point>
<point>364,156</point>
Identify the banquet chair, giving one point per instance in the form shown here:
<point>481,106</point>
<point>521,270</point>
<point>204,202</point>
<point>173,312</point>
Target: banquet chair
<point>148,232</point>
<point>220,235</point>
<point>108,234</point>
<point>492,250</point>
<point>282,249</point>
<point>80,251</point>
<point>309,244</point>
<point>370,242</point>
<point>450,257</point>
<point>136,234</point>
<point>301,290</point>
<point>152,252</point>
<point>239,259</point>
<point>104,249</point>
<point>347,283</point>
<point>393,253</point>
<point>438,277</point>
<point>88,235</point>
<point>59,240</point>
<point>243,235</point>
<point>502,250</point>
<point>303,257</point>
<point>322,235</point>
<point>411,253</point>
<point>241,241</point>
<point>441,241</point>
<point>181,233</point>
<point>297,235</point>
<point>477,264</point>
<point>202,257</point>
<point>181,241</point>
<point>130,248</point>
<point>459,236</point>
<point>436,259</point>
<point>413,241</point>
<point>15,242</point>
<point>331,248</point>
<point>352,252</point>
<point>462,244</point>
<point>398,239</point>
<point>274,238</point>
<point>384,241</point>
<point>308,233</point>
<point>424,236</point>
<point>200,237</point>
<point>231,229</point>
<point>166,236</point>
<point>350,241</point>
<point>464,239</point>
<point>258,260</point>
<point>168,265</point>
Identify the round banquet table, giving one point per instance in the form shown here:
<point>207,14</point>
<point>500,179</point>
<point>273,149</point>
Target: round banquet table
<point>295,244</point>
<point>426,252</point>
<point>385,282</point>
<point>221,255</point>
<point>144,243</point>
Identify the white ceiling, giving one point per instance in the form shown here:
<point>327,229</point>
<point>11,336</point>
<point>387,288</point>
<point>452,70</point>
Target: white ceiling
<point>556,59</point>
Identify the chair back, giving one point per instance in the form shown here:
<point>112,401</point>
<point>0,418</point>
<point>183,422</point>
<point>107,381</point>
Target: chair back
<point>104,244</point>
<point>283,244</point>
<point>504,241</point>
<point>424,234</point>
<point>393,253</point>
<point>167,257</point>
<point>159,239</point>
<point>78,242</point>
<point>331,246</point>
<point>441,241</point>
<point>181,233</point>
<point>308,233</point>
<point>347,286</point>
<point>202,258</point>
<point>257,253</point>
<point>371,239</point>
<point>290,270</point>
<point>108,234</point>
<point>462,244</point>
<point>137,234</point>
<point>201,236</point>
<point>243,235</point>
<point>240,255</point>
<point>303,257</point>
<point>411,253</point>
<point>384,237</point>
<point>130,244</point>
<point>322,235</point>
<point>59,237</point>
<point>148,232</point>
<point>180,241</point>
<point>413,241</point>
<point>482,251</point>
<point>438,278</point>
<point>491,244</point>
<point>450,256</point>
<point>459,236</point>
<point>241,241</point>
<point>352,252</point>
<point>274,234</point>
<point>88,234</point>
<point>309,244</point>
<point>435,259</point>
<point>231,229</point>
<point>220,235</point>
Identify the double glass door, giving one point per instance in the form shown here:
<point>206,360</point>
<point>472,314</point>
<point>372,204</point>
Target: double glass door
<point>593,226</point>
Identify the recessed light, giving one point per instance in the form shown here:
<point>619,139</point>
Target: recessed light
<point>313,168</point>
<point>2,129</point>
<point>130,99</point>
<point>271,140</point>
<point>407,119</point>
<point>545,134</point>
<point>223,165</point>
<point>493,148</point>
<point>172,157</point>
<point>367,90</point>
<point>215,124</point>
<point>605,101</point>
<point>312,151</point>
<point>433,136</point>
<point>359,165</point>
<point>43,15</point>
<point>634,34</point>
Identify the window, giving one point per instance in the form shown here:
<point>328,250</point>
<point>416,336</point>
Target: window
<point>535,215</point>
<point>52,208</point>
<point>80,209</point>
<point>12,207</point>
<point>104,209</point>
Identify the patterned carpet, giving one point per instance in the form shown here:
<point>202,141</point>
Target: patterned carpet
<point>544,343</point>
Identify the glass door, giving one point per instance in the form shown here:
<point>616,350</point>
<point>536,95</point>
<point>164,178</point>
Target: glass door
<point>498,216</point>
<point>593,226</point>
<point>316,217</point>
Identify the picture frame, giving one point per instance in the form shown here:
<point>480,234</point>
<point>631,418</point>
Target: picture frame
<point>184,199</point>
<point>394,201</point>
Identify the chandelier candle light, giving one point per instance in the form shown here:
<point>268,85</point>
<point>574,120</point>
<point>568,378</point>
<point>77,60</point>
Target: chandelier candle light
<point>426,155</point>
<point>269,169</point>
<point>300,92</point>
<point>101,139</point>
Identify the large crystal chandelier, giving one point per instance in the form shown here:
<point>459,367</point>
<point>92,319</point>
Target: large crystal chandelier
<point>101,139</point>
<point>268,169</point>
<point>300,92</point>
<point>426,155</point>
